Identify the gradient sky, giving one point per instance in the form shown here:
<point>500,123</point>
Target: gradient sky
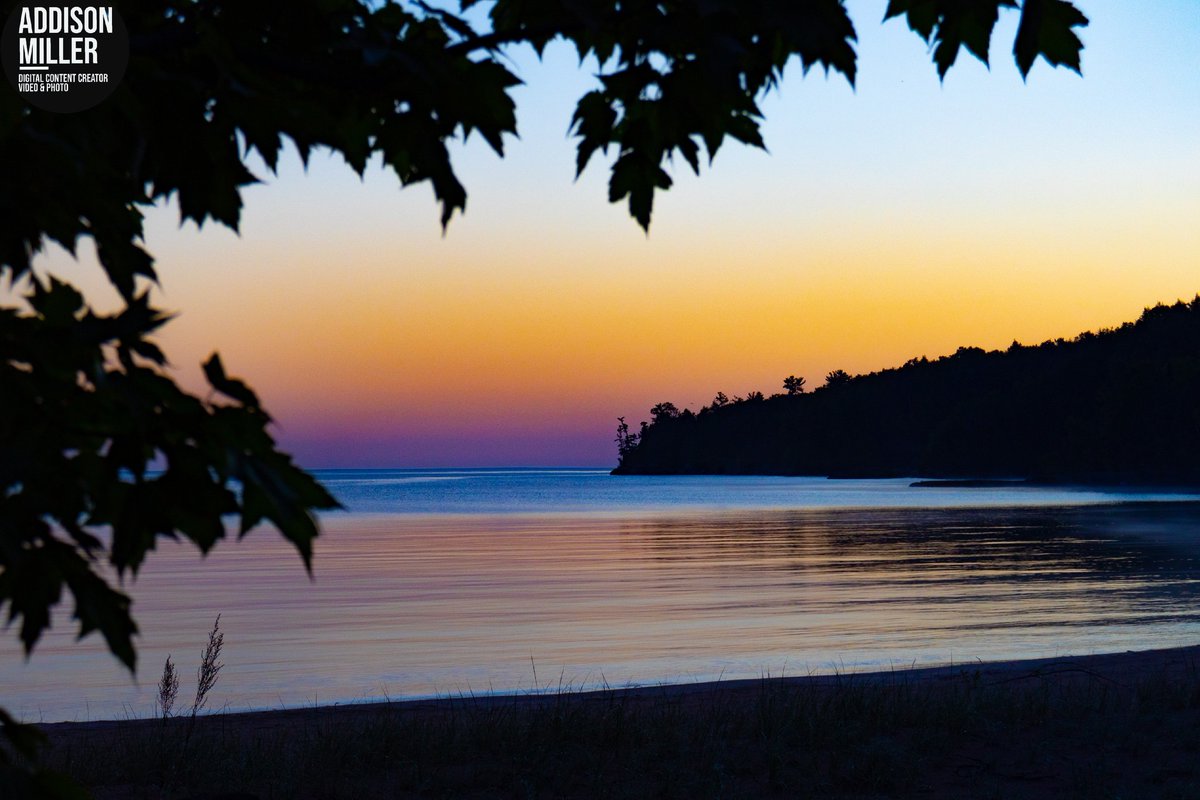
<point>903,218</point>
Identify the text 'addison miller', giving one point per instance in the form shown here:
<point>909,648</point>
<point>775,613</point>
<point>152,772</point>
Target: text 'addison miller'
<point>56,36</point>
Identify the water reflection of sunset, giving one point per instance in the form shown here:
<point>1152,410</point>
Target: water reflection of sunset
<point>406,605</point>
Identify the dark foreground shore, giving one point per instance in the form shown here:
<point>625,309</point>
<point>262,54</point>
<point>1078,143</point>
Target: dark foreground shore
<point>1121,726</point>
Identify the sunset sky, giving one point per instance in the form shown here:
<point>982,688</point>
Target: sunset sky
<point>900,219</point>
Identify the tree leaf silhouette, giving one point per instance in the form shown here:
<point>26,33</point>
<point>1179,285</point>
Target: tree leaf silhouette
<point>949,25</point>
<point>1046,30</point>
<point>230,387</point>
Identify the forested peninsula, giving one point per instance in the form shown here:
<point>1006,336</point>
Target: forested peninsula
<point>1119,406</point>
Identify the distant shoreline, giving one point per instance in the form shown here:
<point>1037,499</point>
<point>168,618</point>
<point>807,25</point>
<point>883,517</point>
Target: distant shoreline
<point>1018,483</point>
<point>916,482</point>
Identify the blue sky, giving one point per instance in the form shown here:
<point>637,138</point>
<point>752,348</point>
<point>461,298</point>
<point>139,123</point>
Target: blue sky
<point>904,217</point>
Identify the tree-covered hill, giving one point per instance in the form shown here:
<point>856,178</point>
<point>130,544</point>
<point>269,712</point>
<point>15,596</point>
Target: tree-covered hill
<point>1118,406</point>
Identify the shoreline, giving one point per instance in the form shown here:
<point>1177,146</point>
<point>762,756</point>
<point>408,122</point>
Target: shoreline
<point>1105,725</point>
<point>1121,669</point>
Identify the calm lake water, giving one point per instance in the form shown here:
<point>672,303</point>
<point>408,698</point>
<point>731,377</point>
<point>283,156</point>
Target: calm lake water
<point>457,581</point>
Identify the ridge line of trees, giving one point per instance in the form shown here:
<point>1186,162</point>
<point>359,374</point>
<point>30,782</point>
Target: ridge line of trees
<point>1114,406</point>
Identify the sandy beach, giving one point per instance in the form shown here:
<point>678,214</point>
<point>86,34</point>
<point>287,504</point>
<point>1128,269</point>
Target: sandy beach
<point>1125,724</point>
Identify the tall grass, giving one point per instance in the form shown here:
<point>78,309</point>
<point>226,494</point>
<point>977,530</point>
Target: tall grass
<point>210,667</point>
<point>168,689</point>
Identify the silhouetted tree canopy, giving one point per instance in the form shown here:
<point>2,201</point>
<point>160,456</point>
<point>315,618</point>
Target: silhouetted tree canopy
<point>663,411</point>
<point>839,377</point>
<point>626,441</point>
<point>87,405</point>
<point>1118,406</point>
<point>793,385</point>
